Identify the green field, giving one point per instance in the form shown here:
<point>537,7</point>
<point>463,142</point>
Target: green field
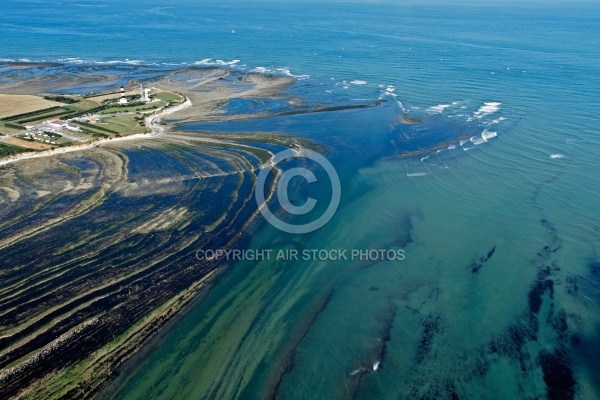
<point>125,124</point>
<point>168,97</point>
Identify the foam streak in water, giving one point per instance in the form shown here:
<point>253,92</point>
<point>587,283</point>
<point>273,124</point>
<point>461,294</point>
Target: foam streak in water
<point>487,109</point>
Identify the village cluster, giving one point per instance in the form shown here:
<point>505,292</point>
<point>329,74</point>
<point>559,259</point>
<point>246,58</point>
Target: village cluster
<point>48,131</point>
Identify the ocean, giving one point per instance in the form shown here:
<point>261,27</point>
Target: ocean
<point>497,294</point>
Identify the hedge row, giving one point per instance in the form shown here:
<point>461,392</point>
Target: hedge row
<point>44,116</point>
<point>61,99</point>
<point>13,126</point>
<point>8,149</point>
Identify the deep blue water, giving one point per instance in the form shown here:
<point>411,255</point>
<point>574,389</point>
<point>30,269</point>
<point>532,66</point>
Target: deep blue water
<point>529,73</point>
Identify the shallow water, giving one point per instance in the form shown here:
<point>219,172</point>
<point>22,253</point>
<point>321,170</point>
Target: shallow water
<point>498,295</point>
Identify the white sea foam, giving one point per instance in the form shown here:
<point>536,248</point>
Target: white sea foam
<point>117,62</point>
<point>417,173</point>
<point>557,156</point>
<point>233,64</point>
<point>487,109</point>
<point>287,72</point>
<point>376,365</point>
<point>388,90</point>
<point>452,147</point>
<point>462,142</point>
<point>477,140</point>
<point>356,371</point>
<point>487,135</point>
<point>497,121</point>
<point>358,82</point>
<point>217,63</point>
<point>71,60</point>
<point>279,71</point>
<point>402,106</point>
<point>438,109</point>
<point>284,71</point>
<point>171,64</point>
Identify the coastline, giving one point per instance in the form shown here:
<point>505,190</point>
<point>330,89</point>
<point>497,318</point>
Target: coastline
<point>480,165</point>
<point>152,122</point>
<point>96,369</point>
<point>124,371</point>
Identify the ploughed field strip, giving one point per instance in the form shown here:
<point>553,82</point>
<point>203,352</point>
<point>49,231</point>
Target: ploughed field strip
<point>98,251</point>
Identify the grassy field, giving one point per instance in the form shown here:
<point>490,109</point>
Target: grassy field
<point>83,105</point>
<point>124,124</point>
<point>168,97</point>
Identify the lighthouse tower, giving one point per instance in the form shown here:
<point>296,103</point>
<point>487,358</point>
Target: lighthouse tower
<point>122,100</point>
<point>145,94</point>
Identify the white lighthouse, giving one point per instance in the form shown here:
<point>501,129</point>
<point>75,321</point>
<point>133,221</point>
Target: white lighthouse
<point>122,100</point>
<point>145,94</point>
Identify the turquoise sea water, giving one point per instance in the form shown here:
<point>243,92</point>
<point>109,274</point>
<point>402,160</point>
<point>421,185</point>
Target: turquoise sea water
<point>498,296</point>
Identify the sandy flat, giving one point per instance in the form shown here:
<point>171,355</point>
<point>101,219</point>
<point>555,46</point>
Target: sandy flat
<point>211,92</point>
<point>27,144</point>
<point>13,104</point>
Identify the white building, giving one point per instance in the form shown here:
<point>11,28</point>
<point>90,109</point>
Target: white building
<point>145,94</point>
<point>56,124</point>
<point>72,128</point>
